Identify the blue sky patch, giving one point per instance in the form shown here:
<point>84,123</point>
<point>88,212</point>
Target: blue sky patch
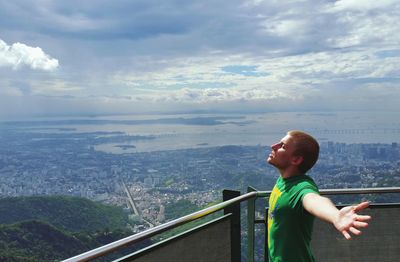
<point>201,85</point>
<point>388,53</point>
<point>243,70</point>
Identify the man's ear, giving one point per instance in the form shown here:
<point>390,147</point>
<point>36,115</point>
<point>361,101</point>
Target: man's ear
<point>297,160</point>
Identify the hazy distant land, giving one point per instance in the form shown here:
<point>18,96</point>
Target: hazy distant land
<point>209,121</point>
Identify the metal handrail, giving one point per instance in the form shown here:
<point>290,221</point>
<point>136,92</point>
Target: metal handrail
<point>355,191</point>
<point>347,191</point>
<point>95,253</point>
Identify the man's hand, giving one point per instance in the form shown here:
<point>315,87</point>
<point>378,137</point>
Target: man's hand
<point>348,221</point>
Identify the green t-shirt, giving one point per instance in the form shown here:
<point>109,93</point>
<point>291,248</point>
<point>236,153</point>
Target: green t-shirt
<point>289,224</point>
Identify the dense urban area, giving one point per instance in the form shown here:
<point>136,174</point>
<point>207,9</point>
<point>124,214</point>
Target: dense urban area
<point>146,184</point>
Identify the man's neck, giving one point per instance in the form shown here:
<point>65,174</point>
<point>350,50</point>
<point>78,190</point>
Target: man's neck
<point>288,173</point>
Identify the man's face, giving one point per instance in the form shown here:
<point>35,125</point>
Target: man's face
<point>281,153</point>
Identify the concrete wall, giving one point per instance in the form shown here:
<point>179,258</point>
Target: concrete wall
<point>208,243</point>
<point>379,242</point>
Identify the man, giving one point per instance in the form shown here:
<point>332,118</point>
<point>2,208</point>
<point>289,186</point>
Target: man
<point>295,201</point>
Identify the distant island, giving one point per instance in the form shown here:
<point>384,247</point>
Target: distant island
<point>209,121</point>
<point>125,147</point>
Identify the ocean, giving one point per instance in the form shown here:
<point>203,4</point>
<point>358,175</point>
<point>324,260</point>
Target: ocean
<point>171,132</point>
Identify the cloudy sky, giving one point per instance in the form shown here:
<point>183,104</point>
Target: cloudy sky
<point>144,56</point>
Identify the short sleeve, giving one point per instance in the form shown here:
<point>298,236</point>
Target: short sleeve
<point>303,189</point>
<point>306,190</point>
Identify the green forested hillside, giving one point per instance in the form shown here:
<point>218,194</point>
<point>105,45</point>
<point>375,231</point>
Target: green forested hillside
<point>180,208</point>
<point>36,241</point>
<point>55,228</point>
<point>68,213</point>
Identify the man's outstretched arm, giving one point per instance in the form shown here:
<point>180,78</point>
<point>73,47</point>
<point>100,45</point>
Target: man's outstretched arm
<point>345,220</point>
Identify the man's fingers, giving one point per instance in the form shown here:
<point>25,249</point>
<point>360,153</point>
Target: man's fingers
<point>363,218</point>
<point>346,234</point>
<point>355,231</point>
<point>361,206</point>
<point>360,224</point>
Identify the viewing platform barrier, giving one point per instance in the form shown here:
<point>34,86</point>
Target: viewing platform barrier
<point>220,239</point>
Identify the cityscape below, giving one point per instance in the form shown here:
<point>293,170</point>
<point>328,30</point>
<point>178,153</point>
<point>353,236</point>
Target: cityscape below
<point>57,158</point>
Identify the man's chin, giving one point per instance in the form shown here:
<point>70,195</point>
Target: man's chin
<point>271,162</point>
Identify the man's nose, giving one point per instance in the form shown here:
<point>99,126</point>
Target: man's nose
<point>275,146</point>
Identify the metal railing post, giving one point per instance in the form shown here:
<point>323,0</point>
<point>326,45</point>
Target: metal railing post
<point>235,224</point>
<point>251,216</point>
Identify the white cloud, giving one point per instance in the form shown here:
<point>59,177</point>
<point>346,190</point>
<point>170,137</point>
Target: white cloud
<point>210,95</point>
<point>362,5</point>
<point>285,28</point>
<point>54,87</point>
<point>363,29</point>
<point>18,55</point>
<point>293,78</point>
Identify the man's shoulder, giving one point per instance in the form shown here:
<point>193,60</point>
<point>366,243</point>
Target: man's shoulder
<point>308,179</point>
<point>302,179</point>
<point>306,182</point>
